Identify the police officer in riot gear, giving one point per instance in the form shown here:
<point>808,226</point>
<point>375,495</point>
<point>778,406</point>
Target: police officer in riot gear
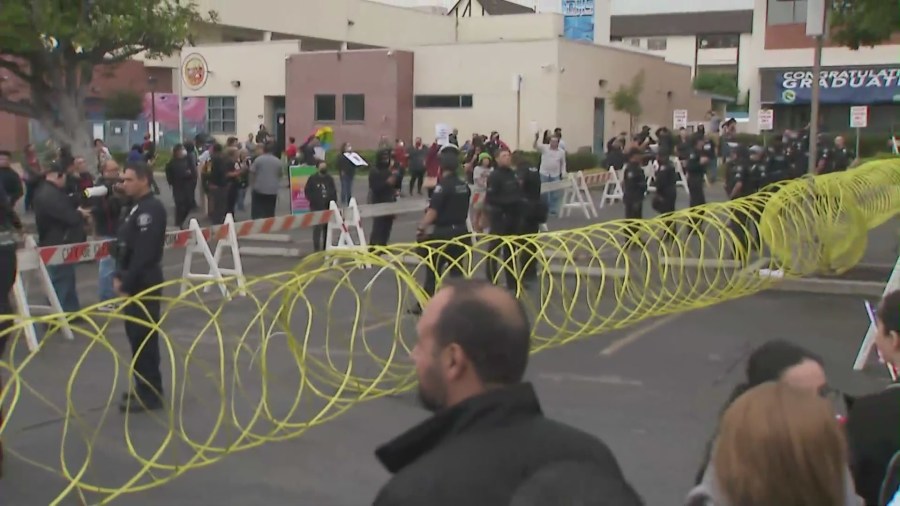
<point>534,211</point>
<point>825,156</point>
<point>447,211</point>
<point>503,204</point>
<point>139,252</point>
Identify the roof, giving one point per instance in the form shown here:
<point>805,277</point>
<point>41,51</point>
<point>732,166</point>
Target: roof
<point>682,23</point>
<point>496,7</point>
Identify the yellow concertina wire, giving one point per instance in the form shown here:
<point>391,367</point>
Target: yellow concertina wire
<point>298,351</point>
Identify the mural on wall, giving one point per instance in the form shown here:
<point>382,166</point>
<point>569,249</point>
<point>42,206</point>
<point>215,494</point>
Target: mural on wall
<point>193,116</point>
<point>578,16</point>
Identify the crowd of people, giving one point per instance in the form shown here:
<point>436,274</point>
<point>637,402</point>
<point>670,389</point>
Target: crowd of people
<point>779,440</point>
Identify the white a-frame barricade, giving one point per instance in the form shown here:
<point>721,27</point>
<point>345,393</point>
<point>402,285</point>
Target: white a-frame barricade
<point>29,261</point>
<point>199,245</point>
<point>345,225</point>
<point>612,189</point>
<point>578,196</point>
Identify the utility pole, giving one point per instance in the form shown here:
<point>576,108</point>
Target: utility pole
<point>816,15</point>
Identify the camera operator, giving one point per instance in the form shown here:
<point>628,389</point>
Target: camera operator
<point>60,221</point>
<point>106,209</point>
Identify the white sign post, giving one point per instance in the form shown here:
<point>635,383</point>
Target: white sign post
<point>766,119</point>
<point>680,118</point>
<point>859,118</point>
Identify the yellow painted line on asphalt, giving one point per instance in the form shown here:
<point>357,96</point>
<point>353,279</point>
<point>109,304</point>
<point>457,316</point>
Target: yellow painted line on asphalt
<point>626,340</point>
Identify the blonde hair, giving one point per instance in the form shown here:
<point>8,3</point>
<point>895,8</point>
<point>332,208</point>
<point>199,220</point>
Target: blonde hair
<point>781,446</point>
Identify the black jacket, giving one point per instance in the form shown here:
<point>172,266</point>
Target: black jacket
<point>181,175</point>
<point>320,191</point>
<point>57,218</point>
<point>107,211</point>
<point>380,189</point>
<point>873,434</point>
<point>483,450</point>
<point>12,184</point>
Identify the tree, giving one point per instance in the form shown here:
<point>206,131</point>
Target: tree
<point>124,104</point>
<point>718,83</point>
<point>627,99</point>
<point>53,46</point>
<point>859,23</point>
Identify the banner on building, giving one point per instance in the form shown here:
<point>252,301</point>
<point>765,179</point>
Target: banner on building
<point>839,85</point>
<point>578,16</point>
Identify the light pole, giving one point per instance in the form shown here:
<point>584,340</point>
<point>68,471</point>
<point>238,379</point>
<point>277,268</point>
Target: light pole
<point>816,16</point>
<point>151,80</point>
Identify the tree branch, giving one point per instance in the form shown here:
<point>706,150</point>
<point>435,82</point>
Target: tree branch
<point>18,107</point>
<point>16,70</point>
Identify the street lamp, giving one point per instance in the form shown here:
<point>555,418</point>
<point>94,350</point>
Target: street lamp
<point>151,81</point>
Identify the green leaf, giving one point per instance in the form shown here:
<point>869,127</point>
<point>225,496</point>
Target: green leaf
<point>864,23</point>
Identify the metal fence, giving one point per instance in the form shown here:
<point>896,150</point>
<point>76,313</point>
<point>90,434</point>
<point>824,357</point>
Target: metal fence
<point>118,135</point>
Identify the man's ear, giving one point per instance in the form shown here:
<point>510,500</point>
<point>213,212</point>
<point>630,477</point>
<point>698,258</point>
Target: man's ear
<point>455,361</point>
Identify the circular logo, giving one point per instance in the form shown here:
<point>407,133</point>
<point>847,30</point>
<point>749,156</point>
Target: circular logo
<point>194,71</point>
<point>788,96</point>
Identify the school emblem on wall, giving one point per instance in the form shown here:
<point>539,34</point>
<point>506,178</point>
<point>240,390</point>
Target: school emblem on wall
<point>194,71</point>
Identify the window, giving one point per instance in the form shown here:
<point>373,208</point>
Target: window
<point>786,12</point>
<point>635,42</point>
<point>354,107</point>
<point>443,101</point>
<point>325,108</point>
<point>615,39</point>
<point>221,116</point>
<point>656,44</point>
<point>719,41</point>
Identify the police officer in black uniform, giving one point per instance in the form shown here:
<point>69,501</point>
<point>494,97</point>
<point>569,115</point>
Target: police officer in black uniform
<point>634,188</point>
<point>666,182</point>
<point>824,156</point>
<point>779,168</point>
<point>503,204</point>
<point>534,212</point>
<point>448,210</point>
<point>843,157</point>
<point>140,243</point>
<point>798,153</point>
<point>739,183</point>
<point>698,161</point>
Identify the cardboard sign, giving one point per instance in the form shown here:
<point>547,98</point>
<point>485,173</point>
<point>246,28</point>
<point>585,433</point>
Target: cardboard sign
<point>442,133</point>
<point>356,159</point>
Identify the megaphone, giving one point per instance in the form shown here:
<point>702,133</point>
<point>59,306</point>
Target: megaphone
<point>96,191</point>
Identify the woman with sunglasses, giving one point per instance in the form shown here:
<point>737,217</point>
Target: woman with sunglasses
<point>873,423</point>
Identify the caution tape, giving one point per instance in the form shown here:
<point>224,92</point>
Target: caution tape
<point>307,345</point>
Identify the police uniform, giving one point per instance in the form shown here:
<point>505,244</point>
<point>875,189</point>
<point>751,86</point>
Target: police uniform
<point>382,182</point>
<point>842,158</point>
<point>666,182</point>
<point>696,170</point>
<point>534,212</point>
<point>503,202</point>
<point>634,189</point>
<point>450,202</point>
<point>778,166</point>
<point>739,183</point>
<point>141,239</point>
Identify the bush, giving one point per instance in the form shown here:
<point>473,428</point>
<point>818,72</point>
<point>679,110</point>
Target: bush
<point>162,158</point>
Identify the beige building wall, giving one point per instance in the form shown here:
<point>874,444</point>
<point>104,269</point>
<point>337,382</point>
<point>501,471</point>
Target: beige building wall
<point>258,66</point>
<point>354,21</point>
<point>449,70</point>
<point>510,27</point>
<point>581,68</point>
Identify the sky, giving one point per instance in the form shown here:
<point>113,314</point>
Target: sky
<point>618,6</point>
